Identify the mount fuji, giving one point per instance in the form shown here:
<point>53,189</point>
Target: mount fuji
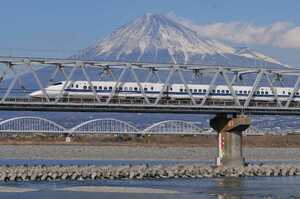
<point>161,39</point>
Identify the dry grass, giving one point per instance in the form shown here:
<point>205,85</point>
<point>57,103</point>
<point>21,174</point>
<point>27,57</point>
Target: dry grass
<point>154,140</point>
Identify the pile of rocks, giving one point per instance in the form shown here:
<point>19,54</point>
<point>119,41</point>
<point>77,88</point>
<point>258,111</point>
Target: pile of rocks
<point>49,173</point>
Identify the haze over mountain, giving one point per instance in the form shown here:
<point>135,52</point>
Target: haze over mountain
<point>160,39</point>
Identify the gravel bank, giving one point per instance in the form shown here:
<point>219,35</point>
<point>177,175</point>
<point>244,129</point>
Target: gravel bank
<point>74,152</point>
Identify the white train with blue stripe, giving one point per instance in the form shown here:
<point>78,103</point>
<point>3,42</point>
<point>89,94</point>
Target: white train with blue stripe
<point>82,89</point>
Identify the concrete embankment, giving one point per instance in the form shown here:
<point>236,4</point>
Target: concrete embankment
<point>50,173</point>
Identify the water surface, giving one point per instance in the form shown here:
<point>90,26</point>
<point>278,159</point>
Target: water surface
<point>251,187</point>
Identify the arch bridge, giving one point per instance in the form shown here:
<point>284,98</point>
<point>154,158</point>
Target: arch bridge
<point>38,125</point>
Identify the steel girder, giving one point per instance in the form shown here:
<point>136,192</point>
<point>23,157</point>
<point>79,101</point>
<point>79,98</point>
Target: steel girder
<point>230,75</point>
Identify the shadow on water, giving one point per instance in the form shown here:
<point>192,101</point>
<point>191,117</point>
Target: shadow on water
<point>255,187</point>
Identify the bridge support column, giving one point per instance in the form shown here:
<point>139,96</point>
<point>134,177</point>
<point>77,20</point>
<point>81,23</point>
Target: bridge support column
<point>68,137</point>
<point>230,138</point>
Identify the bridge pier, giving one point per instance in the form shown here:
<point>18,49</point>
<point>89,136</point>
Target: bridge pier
<point>230,138</point>
<point>68,137</point>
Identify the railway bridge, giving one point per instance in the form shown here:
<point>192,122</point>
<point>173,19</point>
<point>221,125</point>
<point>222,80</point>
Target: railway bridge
<point>19,76</point>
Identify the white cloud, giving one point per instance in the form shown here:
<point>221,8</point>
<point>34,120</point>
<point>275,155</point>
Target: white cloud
<point>278,34</point>
<point>290,39</point>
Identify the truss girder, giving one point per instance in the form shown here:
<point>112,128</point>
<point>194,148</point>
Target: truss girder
<point>230,75</point>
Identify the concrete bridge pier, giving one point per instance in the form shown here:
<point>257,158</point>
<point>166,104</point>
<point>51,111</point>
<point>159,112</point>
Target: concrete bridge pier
<point>68,137</point>
<point>230,138</point>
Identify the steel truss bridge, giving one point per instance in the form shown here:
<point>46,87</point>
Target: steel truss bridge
<point>16,70</point>
<point>29,125</point>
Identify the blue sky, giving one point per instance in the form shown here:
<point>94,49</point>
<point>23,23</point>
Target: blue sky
<point>71,25</point>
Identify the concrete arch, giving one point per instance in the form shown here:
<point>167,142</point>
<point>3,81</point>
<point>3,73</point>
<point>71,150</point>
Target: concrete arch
<point>173,127</point>
<point>28,124</point>
<point>104,126</point>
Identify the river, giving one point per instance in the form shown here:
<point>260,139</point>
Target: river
<point>235,188</point>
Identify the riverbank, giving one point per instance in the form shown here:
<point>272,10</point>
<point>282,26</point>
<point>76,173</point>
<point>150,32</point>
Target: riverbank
<point>258,141</point>
<point>82,152</point>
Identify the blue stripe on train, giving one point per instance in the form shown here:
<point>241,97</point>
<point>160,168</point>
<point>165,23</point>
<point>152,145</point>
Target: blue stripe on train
<point>171,93</point>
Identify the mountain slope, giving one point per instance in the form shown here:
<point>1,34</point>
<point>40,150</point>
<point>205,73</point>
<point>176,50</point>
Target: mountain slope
<point>158,38</point>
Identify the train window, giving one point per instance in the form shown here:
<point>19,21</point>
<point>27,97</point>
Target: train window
<point>227,91</point>
<point>297,93</point>
<point>135,88</point>
<point>126,89</point>
<point>241,92</point>
<point>200,90</point>
<point>100,87</point>
<point>218,91</point>
<point>120,88</point>
<point>289,93</point>
<point>130,88</point>
<point>171,88</point>
<point>95,87</point>
<point>222,91</point>
<point>257,92</point>
<point>262,92</point>
<point>152,88</point>
<point>110,88</point>
<point>145,89</point>
<point>204,90</point>
<point>181,90</point>
<point>56,83</point>
<point>213,91</point>
<point>76,85</point>
<point>195,90</point>
<point>283,92</point>
<point>105,88</point>
<point>84,87</point>
<point>184,90</point>
<point>267,93</point>
<point>245,92</point>
<point>90,88</point>
<point>191,90</point>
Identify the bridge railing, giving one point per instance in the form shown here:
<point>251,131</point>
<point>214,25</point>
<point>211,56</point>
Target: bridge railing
<point>186,102</point>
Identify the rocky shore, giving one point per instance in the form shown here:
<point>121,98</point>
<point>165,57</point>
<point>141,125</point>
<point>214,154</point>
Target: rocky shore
<point>56,173</point>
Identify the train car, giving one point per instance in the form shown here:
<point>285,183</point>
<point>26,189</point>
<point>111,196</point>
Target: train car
<point>82,89</point>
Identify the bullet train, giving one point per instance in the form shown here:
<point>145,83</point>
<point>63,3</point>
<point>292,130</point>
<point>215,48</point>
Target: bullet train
<point>82,89</point>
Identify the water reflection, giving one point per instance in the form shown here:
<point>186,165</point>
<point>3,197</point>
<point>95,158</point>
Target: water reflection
<point>229,188</point>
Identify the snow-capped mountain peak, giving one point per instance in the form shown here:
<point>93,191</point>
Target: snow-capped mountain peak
<point>158,38</point>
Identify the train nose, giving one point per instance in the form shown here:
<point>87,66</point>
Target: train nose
<point>36,94</point>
